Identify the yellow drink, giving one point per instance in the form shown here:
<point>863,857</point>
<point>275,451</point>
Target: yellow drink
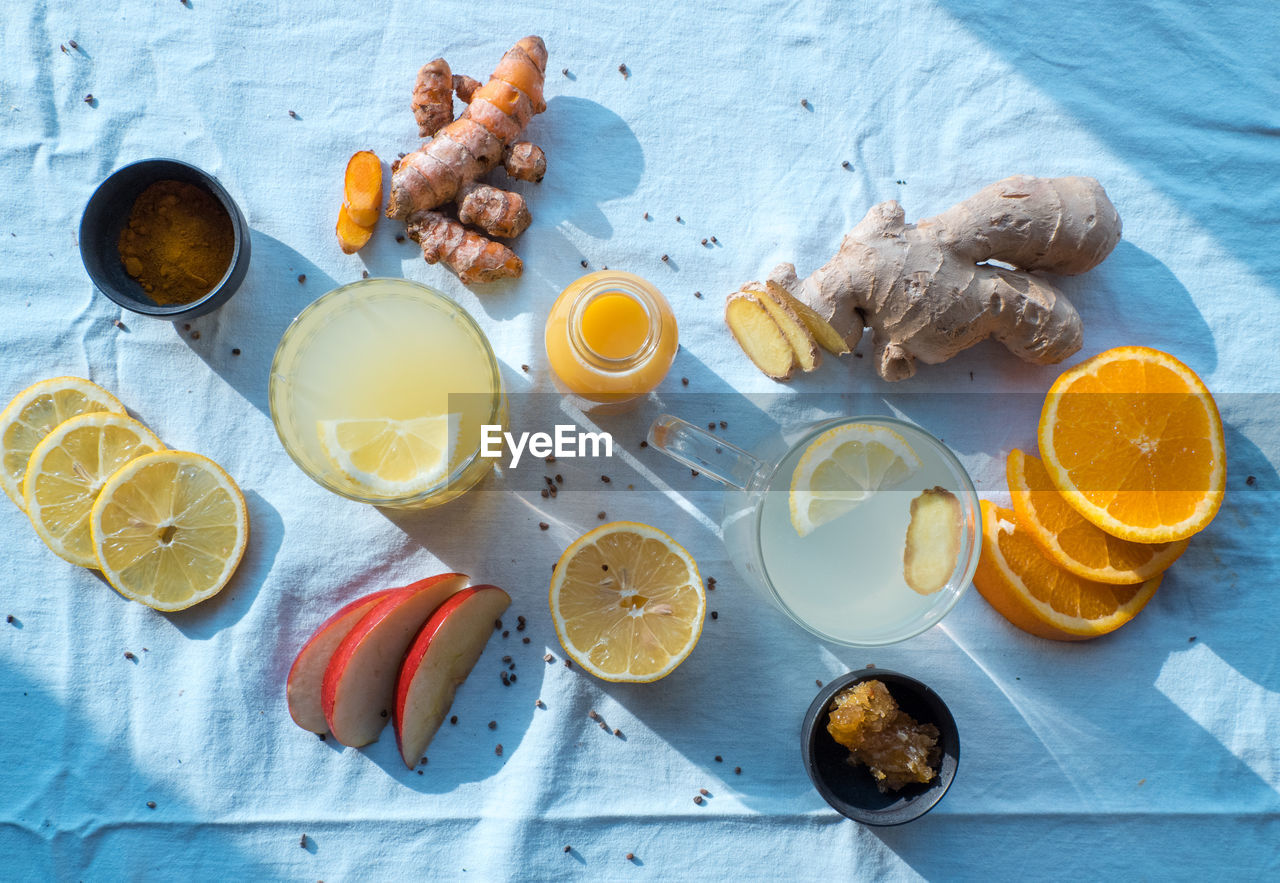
<point>379,390</point>
<point>611,337</point>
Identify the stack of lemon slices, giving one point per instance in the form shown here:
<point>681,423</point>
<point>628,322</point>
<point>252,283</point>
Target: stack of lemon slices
<point>1134,464</point>
<point>166,528</point>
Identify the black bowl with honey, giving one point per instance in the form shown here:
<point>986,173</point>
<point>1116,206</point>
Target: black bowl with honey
<point>850,788</point>
<point>163,238</point>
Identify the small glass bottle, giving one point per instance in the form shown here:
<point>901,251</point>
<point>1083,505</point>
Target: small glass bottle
<point>611,337</point>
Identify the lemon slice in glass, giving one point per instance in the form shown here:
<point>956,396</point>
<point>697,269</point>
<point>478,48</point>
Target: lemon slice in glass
<point>842,467</point>
<point>627,602</point>
<point>169,529</point>
<point>68,468</point>
<point>34,413</point>
<point>391,458</point>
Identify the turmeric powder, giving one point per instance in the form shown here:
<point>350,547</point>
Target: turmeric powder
<point>178,243</point>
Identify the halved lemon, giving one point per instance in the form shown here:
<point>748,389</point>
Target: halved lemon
<point>169,529</point>
<point>842,467</point>
<point>1133,441</point>
<point>627,602</point>
<point>67,470</point>
<point>391,458</point>
<point>1039,597</point>
<point>34,413</point>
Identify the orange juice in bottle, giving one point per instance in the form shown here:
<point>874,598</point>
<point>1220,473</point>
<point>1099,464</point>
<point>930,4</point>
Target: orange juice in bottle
<point>611,337</point>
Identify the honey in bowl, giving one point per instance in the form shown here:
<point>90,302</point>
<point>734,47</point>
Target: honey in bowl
<point>898,751</point>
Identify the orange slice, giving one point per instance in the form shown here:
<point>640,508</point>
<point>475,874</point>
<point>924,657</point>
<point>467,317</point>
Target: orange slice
<point>1133,440</point>
<point>1039,597</point>
<point>627,602</point>
<point>1071,542</point>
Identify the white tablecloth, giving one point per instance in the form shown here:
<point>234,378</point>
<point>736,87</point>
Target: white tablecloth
<point>1149,753</point>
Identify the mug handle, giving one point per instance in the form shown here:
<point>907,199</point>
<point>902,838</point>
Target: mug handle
<point>703,452</point>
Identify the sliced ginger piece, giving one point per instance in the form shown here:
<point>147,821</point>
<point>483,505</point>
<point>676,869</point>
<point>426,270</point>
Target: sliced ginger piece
<point>933,540</point>
<point>362,190</point>
<point>759,336</point>
<point>351,236</point>
<point>826,336</point>
<point>793,328</point>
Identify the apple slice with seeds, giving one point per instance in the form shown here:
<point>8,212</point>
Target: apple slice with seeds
<point>307,674</point>
<point>360,680</point>
<point>440,659</point>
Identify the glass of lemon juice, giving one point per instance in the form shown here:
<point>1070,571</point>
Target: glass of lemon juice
<point>378,391</point>
<point>824,528</point>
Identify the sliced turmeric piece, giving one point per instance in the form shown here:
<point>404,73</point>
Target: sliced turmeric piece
<point>351,236</point>
<point>828,338</point>
<point>362,191</point>
<point>933,540</point>
<point>759,335</point>
<point>797,333</point>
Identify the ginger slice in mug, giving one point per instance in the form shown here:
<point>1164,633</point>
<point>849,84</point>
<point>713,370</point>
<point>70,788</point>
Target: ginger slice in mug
<point>933,540</point>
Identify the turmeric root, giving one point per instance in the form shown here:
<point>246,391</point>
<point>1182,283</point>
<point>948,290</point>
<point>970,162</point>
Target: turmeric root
<point>497,212</point>
<point>465,87</point>
<point>433,97</point>
<point>361,201</point>
<point>472,145</point>
<point>362,188</point>
<point>447,170</point>
<point>926,291</point>
<point>473,257</point>
<point>351,236</point>
<point>525,162</point>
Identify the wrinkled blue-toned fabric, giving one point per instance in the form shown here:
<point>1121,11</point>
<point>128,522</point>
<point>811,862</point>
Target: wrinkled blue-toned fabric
<point>1151,753</point>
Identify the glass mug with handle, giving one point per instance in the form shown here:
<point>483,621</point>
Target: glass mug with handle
<point>823,528</point>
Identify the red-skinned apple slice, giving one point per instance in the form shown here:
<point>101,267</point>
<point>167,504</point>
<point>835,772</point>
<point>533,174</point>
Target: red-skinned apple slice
<point>360,679</point>
<point>307,674</point>
<point>440,659</point>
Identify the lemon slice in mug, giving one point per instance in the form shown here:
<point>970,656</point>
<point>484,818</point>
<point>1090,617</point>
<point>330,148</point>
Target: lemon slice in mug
<point>68,468</point>
<point>34,413</point>
<point>391,458</point>
<point>169,529</point>
<point>842,467</point>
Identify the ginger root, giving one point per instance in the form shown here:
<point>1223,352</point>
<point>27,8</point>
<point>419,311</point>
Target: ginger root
<point>933,540</point>
<point>447,170</point>
<point>927,292</point>
<point>361,201</point>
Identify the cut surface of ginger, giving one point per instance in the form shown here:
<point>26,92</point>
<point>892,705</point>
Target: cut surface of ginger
<point>898,750</point>
<point>826,336</point>
<point>933,540</point>
<point>793,329</point>
<point>759,335</point>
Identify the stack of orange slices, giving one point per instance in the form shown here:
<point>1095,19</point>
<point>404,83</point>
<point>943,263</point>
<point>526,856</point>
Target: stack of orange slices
<point>1134,464</point>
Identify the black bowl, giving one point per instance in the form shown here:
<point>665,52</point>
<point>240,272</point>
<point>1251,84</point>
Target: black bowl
<point>851,790</point>
<point>107,213</point>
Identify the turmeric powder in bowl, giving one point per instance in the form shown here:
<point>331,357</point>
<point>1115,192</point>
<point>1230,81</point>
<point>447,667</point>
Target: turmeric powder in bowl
<point>179,242</point>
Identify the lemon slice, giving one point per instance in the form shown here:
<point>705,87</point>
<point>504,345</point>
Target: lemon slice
<point>391,458</point>
<point>169,529</point>
<point>842,467</point>
<point>66,471</point>
<point>627,602</point>
<point>34,413</point>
